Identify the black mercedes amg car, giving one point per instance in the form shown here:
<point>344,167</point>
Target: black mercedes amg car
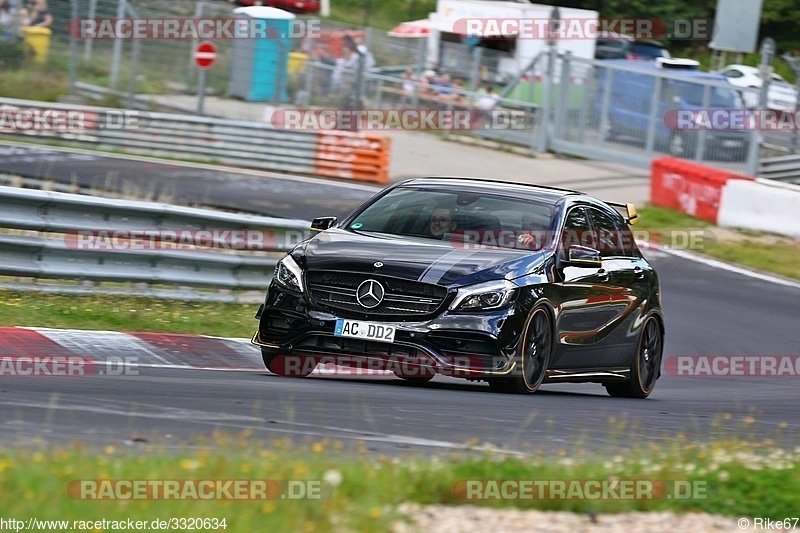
<point>512,284</point>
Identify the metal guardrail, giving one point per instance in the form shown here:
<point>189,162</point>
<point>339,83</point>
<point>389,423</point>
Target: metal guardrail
<point>328,153</point>
<point>783,168</point>
<point>71,216</point>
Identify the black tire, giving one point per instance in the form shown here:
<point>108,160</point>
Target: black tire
<point>532,363</point>
<point>276,363</point>
<point>645,366</point>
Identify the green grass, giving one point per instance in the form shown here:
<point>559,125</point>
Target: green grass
<point>740,479</point>
<point>124,313</point>
<point>749,249</point>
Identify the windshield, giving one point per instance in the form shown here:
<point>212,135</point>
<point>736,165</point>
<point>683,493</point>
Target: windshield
<point>463,216</point>
<point>692,94</point>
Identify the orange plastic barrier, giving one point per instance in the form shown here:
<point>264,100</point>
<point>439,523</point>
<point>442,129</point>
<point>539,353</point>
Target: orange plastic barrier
<point>688,187</point>
<point>358,156</point>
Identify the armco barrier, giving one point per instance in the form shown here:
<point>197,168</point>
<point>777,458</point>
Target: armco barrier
<point>688,187</point>
<point>761,205</point>
<point>65,217</point>
<point>329,153</point>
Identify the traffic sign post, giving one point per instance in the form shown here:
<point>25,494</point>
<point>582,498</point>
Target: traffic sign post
<point>204,57</point>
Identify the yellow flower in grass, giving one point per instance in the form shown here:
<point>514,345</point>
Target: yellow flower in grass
<point>189,464</point>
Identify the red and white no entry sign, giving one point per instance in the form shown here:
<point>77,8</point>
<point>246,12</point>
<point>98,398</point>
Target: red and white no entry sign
<point>205,55</point>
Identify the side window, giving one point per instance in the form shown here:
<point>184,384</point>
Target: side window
<point>577,230</point>
<point>608,234</point>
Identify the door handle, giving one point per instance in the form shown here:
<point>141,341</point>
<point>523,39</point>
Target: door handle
<point>638,272</point>
<point>602,274</point>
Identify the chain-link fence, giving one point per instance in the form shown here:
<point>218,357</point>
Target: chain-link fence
<point>589,108</point>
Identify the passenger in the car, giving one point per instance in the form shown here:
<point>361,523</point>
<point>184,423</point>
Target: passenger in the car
<point>534,233</point>
<point>441,223</point>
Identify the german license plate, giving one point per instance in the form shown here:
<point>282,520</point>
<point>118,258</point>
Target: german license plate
<point>368,331</point>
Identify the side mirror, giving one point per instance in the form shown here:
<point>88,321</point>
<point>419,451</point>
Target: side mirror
<point>633,216</point>
<point>322,223</point>
<point>583,256</point>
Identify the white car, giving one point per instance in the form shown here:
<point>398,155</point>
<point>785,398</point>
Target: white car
<point>781,95</point>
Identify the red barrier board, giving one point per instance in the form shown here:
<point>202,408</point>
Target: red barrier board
<point>688,187</point>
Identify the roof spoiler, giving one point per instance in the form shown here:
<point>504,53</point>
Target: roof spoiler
<point>631,216</point>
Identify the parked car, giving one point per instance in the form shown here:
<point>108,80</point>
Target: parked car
<point>612,45</point>
<point>295,6</point>
<point>630,111</point>
<point>781,96</point>
<point>512,284</point>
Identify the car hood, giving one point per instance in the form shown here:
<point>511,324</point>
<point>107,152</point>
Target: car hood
<point>425,260</point>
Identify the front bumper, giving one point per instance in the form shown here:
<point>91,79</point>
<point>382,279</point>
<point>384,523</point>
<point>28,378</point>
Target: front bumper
<point>471,345</point>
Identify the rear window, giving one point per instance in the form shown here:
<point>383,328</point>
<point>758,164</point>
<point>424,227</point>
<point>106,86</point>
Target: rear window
<point>648,50</point>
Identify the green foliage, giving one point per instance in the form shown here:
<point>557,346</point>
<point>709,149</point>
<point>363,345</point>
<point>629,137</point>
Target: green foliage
<point>13,54</point>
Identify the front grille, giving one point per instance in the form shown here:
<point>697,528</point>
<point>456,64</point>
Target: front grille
<point>337,290</point>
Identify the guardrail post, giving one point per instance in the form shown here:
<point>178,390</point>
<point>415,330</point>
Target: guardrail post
<point>562,97</point>
<point>117,53</point>
<point>545,122</point>
<point>603,129</point>
<point>701,141</point>
<point>73,51</point>
<point>653,120</point>
<point>87,45</point>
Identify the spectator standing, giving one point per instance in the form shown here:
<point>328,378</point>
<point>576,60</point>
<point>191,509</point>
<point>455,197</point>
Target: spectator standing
<point>40,15</point>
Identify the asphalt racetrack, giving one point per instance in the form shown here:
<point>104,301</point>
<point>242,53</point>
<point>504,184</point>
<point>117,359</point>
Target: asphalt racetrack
<point>262,193</point>
<point>709,311</point>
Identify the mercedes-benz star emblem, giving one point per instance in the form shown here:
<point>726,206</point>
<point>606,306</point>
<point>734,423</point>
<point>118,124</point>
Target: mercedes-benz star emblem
<point>378,264</point>
<point>370,294</point>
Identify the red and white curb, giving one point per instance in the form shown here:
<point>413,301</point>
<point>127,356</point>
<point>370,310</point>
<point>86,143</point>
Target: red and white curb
<point>158,350</point>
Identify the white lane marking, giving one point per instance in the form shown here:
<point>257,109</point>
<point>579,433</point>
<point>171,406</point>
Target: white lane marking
<point>725,266</point>
<point>167,413</point>
<point>219,168</point>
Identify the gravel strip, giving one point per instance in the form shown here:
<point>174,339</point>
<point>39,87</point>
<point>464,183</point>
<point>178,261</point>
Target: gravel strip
<point>446,519</point>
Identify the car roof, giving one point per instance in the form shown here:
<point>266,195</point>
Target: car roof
<point>650,66</point>
<point>540,192</point>
<point>743,68</point>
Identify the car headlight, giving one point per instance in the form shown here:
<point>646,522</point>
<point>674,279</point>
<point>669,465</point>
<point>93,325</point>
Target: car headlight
<point>288,274</point>
<point>484,296</point>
